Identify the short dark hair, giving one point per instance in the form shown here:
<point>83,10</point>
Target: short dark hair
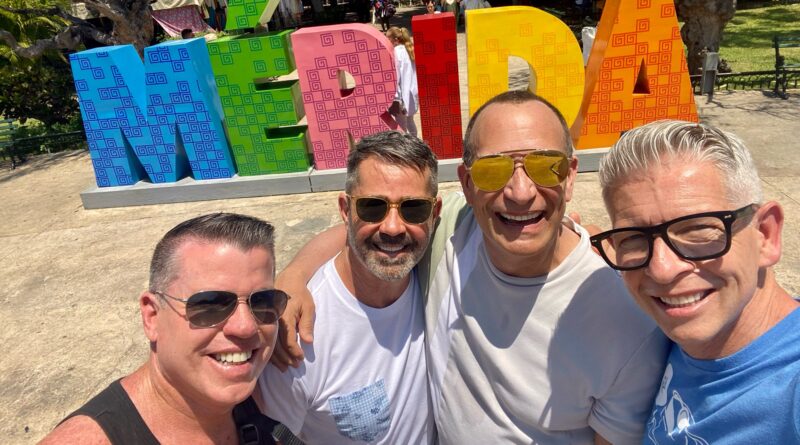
<point>186,33</point>
<point>512,97</point>
<point>242,231</point>
<point>393,147</point>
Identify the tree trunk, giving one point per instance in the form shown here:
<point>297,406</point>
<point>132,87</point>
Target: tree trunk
<point>704,21</point>
<point>132,19</point>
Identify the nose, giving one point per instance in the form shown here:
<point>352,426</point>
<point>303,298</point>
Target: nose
<point>520,188</point>
<point>241,323</point>
<point>665,265</point>
<point>393,225</point>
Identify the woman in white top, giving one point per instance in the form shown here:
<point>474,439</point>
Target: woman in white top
<point>406,99</point>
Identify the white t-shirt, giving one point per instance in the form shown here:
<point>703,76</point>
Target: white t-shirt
<point>534,360</point>
<point>364,377</point>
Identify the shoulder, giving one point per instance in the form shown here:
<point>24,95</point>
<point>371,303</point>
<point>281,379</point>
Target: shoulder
<point>77,430</point>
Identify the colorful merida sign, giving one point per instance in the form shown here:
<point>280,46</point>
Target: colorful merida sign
<point>219,109</point>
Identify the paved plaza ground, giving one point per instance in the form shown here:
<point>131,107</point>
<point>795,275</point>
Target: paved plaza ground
<point>70,277</point>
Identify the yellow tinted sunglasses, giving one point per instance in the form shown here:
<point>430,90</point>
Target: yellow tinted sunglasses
<point>546,168</point>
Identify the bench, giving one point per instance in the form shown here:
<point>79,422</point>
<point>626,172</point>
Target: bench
<point>7,148</point>
<point>781,67</point>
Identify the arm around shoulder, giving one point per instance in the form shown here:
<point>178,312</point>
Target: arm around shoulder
<point>77,430</point>
<point>299,314</point>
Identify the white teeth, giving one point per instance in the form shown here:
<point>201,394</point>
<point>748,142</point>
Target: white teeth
<point>683,300</point>
<point>391,247</point>
<point>525,217</point>
<point>233,357</point>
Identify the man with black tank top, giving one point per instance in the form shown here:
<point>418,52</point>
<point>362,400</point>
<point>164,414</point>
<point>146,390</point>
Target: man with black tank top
<point>210,315</point>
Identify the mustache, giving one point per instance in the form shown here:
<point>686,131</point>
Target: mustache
<point>402,239</point>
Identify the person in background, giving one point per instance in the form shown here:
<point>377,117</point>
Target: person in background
<point>384,10</point>
<point>187,33</point>
<point>431,8</point>
<point>406,99</point>
<point>454,7</point>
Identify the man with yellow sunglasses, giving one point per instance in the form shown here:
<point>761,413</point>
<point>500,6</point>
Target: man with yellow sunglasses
<point>531,338</point>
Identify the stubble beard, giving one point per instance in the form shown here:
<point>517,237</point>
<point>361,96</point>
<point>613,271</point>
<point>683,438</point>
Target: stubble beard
<point>384,268</point>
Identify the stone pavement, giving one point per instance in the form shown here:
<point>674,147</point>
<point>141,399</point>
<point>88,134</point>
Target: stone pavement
<point>70,278</point>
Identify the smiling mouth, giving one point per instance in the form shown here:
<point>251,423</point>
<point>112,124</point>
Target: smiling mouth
<point>527,218</point>
<point>683,300</point>
<point>233,358</point>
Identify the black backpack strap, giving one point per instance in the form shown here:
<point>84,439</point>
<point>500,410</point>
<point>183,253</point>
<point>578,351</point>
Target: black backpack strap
<point>253,427</point>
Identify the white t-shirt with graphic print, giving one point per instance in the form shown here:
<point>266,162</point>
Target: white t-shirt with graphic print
<point>364,377</point>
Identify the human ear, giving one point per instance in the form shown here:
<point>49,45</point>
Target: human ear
<point>466,183</point>
<point>344,206</point>
<point>569,183</point>
<point>769,223</point>
<point>148,305</point>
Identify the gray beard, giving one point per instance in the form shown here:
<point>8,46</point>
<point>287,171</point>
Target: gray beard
<point>386,269</point>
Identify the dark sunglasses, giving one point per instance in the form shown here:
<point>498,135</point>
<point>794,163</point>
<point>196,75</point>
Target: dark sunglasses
<point>373,209</point>
<point>546,168</point>
<point>210,308</point>
<point>696,237</point>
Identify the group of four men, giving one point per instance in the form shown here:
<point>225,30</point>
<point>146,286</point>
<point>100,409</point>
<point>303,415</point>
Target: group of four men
<point>486,316</point>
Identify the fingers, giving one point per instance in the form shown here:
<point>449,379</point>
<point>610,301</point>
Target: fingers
<point>306,323</point>
<point>280,357</point>
<point>287,350</point>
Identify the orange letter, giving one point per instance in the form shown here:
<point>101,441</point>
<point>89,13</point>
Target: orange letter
<point>636,74</point>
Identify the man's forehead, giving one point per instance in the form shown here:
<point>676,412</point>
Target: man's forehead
<point>505,127</point>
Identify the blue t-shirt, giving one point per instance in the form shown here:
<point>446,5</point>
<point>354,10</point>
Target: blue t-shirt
<point>750,397</point>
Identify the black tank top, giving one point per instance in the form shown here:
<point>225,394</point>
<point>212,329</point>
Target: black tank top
<point>116,414</point>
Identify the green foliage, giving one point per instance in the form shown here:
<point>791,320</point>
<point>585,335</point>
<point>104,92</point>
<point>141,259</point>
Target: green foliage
<point>41,90</point>
<point>747,40</point>
<point>30,27</point>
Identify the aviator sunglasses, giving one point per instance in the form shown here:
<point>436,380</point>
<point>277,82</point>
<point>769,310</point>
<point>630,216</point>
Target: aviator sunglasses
<point>546,168</point>
<point>210,308</point>
<point>373,209</point>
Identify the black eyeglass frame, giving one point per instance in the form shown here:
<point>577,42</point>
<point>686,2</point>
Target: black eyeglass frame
<point>393,204</point>
<point>279,308</point>
<point>728,217</point>
<point>539,152</point>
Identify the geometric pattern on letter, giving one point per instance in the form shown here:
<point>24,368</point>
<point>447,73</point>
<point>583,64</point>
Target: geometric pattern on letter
<point>244,14</point>
<point>133,120</point>
<point>253,103</point>
<point>629,33</point>
<point>436,56</point>
<point>542,40</point>
<point>320,52</point>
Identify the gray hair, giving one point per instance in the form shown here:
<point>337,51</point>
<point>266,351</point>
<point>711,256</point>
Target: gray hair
<point>648,146</point>
<point>515,97</point>
<point>393,147</point>
<point>241,231</point>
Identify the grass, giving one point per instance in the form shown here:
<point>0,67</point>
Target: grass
<point>747,39</point>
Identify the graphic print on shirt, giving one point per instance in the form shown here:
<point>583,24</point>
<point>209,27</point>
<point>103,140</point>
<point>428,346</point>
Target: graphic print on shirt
<point>672,418</point>
<point>362,414</point>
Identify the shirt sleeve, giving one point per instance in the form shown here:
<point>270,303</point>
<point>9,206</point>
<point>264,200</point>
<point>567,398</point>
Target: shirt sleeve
<point>285,398</point>
<point>621,413</point>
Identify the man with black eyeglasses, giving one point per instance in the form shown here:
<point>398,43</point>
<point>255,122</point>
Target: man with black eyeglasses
<point>210,314</point>
<point>531,337</point>
<point>364,378</point>
<point>696,243</point>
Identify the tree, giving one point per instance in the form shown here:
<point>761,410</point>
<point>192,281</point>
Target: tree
<point>40,90</point>
<point>131,20</point>
<point>704,21</point>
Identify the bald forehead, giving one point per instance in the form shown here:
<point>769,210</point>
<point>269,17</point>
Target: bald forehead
<point>517,126</point>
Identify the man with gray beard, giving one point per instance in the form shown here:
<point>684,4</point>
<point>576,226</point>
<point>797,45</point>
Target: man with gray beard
<point>364,378</point>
